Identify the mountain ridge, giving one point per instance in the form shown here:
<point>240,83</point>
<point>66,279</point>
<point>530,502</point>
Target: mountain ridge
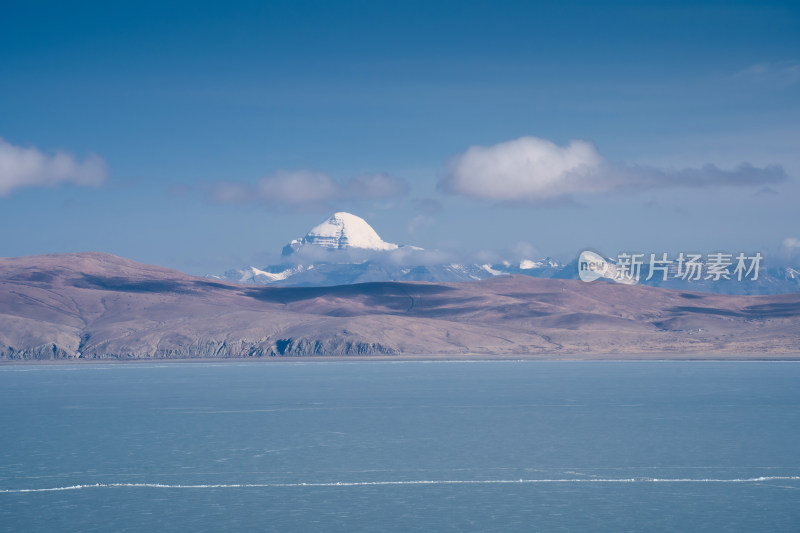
<point>345,249</point>
<point>99,306</point>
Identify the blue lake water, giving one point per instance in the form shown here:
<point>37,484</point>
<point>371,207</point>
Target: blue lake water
<point>401,446</point>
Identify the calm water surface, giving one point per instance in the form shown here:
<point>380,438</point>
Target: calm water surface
<point>401,446</point>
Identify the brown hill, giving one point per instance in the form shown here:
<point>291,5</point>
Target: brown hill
<point>98,306</point>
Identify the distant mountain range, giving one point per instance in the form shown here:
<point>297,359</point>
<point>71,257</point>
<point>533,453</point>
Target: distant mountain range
<point>98,306</point>
<point>345,249</point>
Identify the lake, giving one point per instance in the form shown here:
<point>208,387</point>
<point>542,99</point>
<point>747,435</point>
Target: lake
<point>400,446</point>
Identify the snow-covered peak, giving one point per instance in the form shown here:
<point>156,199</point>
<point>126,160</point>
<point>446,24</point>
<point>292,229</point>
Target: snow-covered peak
<point>527,264</point>
<point>342,230</point>
<point>259,277</point>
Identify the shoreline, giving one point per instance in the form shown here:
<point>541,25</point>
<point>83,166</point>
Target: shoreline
<point>611,357</point>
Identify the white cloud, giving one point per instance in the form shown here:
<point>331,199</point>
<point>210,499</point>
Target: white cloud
<point>30,167</point>
<point>533,170</point>
<point>295,188</point>
<point>523,250</point>
<point>791,243</point>
<point>528,167</point>
<point>228,192</point>
<point>514,254</point>
<point>790,247</point>
<point>402,256</point>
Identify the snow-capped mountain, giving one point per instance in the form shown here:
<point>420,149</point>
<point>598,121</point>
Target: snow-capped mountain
<point>340,232</point>
<point>260,277</point>
<point>345,249</point>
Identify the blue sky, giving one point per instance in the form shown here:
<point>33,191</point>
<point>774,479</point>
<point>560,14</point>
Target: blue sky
<point>204,136</point>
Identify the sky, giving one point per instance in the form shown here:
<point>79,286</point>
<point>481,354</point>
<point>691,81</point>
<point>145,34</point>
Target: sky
<point>204,136</point>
